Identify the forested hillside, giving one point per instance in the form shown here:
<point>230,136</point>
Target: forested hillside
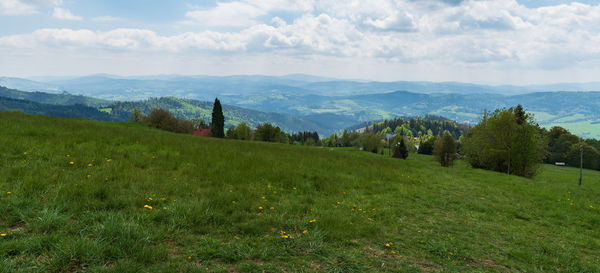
<point>49,98</point>
<point>69,111</point>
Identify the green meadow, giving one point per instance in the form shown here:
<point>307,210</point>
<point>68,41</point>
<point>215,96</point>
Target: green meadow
<point>85,196</point>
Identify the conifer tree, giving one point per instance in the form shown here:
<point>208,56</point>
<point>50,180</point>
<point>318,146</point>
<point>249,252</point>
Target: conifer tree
<point>401,151</point>
<point>217,126</point>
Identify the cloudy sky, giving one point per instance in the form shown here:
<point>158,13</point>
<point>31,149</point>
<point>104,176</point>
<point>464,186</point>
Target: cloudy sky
<point>481,41</point>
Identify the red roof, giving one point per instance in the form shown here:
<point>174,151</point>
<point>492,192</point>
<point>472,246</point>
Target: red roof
<point>203,132</point>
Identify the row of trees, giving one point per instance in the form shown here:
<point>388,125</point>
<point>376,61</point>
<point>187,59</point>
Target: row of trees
<point>419,126</point>
<point>270,133</point>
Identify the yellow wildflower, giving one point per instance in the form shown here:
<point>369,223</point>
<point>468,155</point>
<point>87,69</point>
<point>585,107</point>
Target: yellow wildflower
<point>3,234</point>
<point>9,193</point>
<point>68,155</point>
<point>260,207</point>
<point>108,160</point>
<point>272,208</point>
<point>388,245</point>
<point>89,165</point>
<point>304,231</point>
<point>312,221</point>
<point>25,153</point>
<point>71,163</point>
<point>419,231</point>
<point>148,207</point>
<point>393,252</point>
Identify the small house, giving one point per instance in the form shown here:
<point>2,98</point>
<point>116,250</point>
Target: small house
<point>203,132</point>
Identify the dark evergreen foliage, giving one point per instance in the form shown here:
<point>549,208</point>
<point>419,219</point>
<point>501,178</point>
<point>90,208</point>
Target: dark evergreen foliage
<point>217,125</point>
<point>400,150</point>
<point>305,138</point>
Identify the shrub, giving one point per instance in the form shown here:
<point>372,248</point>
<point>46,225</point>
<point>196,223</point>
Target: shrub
<point>426,146</point>
<point>162,119</point>
<point>445,150</point>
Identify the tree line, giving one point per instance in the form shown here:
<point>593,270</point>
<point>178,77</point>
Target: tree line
<point>505,140</point>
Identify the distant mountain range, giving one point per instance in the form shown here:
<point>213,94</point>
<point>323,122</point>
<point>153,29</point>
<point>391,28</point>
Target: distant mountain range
<point>304,102</point>
<point>201,87</point>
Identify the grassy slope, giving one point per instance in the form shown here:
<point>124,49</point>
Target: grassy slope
<point>62,217</point>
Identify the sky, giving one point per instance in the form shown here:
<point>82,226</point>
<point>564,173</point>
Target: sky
<point>479,41</point>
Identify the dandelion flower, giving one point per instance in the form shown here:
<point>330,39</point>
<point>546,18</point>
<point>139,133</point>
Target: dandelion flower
<point>108,160</point>
<point>189,257</point>
<point>8,193</point>
<point>419,231</point>
<point>148,207</point>
<point>272,208</point>
<point>3,234</point>
<point>89,165</point>
<point>450,253</point>
<point>591,207</point>
<point>388,245</point>
<point>393,252</point>
<point>71,163</point>
<point>68,155</point>
<point>312,221</point>
<point>260,207</point>
<point>25,153</point>
<point>338,202</point>
<point>304,231</point>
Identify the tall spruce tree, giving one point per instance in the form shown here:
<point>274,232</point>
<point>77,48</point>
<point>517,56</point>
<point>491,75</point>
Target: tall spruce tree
<point>217,125</point>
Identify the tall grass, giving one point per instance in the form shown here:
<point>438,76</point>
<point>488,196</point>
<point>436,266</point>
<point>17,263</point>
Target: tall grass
<point>222,205</point>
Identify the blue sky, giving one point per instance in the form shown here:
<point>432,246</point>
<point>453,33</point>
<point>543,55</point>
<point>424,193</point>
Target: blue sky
<point>482,41</point>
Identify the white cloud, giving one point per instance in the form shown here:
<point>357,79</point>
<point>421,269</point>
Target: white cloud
<point>499,34</point>
<point>25,7</point>
<point>65,14</point>
<point>106,18</point>
<point>244,13</point>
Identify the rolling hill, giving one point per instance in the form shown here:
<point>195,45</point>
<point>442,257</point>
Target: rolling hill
<point>79,195</point>
<point>68,105</point>
<point>328,105</point>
